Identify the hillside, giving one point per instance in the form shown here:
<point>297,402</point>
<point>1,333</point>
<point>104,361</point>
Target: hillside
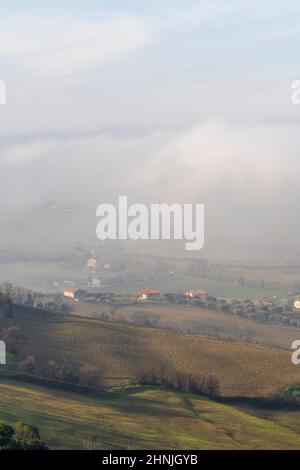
<point>143,418</point>
<point>121,349</point>
<point>201,320</point>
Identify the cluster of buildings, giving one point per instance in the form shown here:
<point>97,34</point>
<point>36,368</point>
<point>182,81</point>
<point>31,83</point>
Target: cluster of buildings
<point>145,295</point>
<point>154,295</point>
<point>93,272</point>
<point>80,295</point>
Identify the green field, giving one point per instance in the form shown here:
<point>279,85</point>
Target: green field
<point>220,289</point>
<point>36,275</point>
<point>143,418</point>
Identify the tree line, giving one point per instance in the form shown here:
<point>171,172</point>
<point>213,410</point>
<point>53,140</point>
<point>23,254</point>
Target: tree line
<point>207,385</point>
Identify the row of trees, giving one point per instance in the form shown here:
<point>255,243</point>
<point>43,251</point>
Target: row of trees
<point>264,310</point>
<point>5,304</point>
<point>91,375</point>
<point>207,385</point>
<point>87,375</point>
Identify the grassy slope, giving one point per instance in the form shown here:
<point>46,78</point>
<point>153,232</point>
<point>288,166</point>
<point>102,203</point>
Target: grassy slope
<point>142,418</point>
<point>243,369</point>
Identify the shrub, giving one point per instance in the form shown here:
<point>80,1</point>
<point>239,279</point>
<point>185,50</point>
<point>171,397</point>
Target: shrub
<point>23,437</point>
<point>15,339</point>
<point>211,385</point>
<point>24,432</point>
<point>62,372</point>
<point>6,435</point>
<point>27,365</point>
<point>28,437</point>
<point>90,376</point>
<point>207,385</point>
<point>6,304</point>
<point>146,319</point>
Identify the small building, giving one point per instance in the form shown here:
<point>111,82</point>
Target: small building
<point>149,294</point>
<point>196,294</point>
<point>91,263</point>
<point>297,306</point>
<point>96,282</point>
<point>71,293</point>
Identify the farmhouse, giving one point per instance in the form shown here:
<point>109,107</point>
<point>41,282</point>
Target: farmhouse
<point>196,294</point>
<point>71,293</point>
<point>297,306</point>
<point>149,294</point>
<point>91,263</point>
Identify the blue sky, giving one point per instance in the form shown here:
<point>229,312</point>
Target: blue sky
<point>260,33</point>
<point>54,51</point>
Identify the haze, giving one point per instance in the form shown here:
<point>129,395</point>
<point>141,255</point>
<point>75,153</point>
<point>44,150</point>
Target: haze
<point>163,103</point>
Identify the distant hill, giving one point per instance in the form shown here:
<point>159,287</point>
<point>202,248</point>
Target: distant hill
<point>200,320</point>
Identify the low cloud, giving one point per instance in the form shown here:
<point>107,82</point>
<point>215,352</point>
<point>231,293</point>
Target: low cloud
<point>247,177</point>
